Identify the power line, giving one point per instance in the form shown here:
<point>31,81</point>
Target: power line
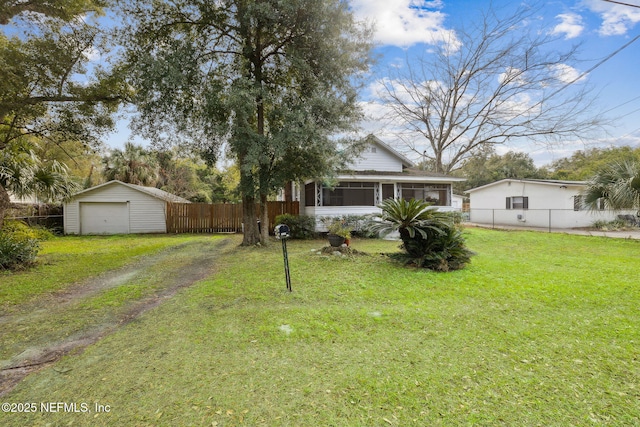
<point>620,105</point>
<point>629,134</point>
<point>622,3</point>
<point>636,6</point>
<point>566,85</point>
<point>630,113</point>
<point>605,59</point>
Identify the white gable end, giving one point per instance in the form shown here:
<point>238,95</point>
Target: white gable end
<point>377,158</point>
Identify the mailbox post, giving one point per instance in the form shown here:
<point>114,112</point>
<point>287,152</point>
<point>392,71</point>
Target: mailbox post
<point>283,232</point>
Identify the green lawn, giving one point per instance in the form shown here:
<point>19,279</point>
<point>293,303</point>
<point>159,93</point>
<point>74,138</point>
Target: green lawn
<point>540,329</point>
<point>63,261</point>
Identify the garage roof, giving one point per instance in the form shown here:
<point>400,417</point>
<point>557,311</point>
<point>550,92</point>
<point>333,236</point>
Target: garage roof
<point>152,191</point>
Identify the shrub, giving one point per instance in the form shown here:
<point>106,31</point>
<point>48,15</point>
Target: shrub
<point>616,224</point>
<point>17,251</point>
<point>340,228</point>
<point>358,224</point>
<point>301,226</point>
<point>22,230</point>
<point>430,238</point>
<point>442,251</point>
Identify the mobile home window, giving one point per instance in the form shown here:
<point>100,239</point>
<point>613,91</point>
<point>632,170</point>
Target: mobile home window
<point>517,202</point>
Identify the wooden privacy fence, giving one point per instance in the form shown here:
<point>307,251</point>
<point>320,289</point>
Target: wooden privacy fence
<point>218,217</point>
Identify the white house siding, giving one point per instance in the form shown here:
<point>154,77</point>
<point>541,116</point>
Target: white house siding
<point>376,158</point>
<point>550,205</point>
<point>457,202</point>
<point>146,213</point>
<point>321,212</point>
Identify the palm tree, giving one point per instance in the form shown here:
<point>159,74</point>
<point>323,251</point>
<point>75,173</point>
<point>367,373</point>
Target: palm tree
<point>24,174</point>
<point>408,217</point>
<point>132,165</point>
<point>617,184</point>
<point>429,236</point>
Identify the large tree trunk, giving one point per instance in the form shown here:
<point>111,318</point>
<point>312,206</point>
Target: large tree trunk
<point>5,203</point>
<point>251,235</point>
<point>264,220</point>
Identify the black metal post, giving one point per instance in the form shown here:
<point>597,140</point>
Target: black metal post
<point>286,263</point>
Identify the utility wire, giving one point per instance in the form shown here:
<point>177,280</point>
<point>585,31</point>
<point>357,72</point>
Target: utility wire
<point>605,59</point>
<point>620,105</point>
<point>636,130</point>
<point>622,3</point>
<point>629,134</point>
<point>566,85</point>
<point>630,113</point>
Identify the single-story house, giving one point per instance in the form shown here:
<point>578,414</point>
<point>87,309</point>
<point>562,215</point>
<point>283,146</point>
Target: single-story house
<point>379,173</point>
<point>535,203</point>
<point>117,207</point>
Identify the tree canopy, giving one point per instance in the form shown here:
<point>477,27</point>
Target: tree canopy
<point>177,172</point>
<point>270,81</point>
<point>46,88</point>
<point>487,166</point>
<point>24,174</point>
<point>47,93</point>
<point>584,164</point>
<point>61,9</point>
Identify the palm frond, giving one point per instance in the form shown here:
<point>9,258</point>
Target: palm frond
<point>617,184</point>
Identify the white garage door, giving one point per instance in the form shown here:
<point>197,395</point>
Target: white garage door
<point>104,218</point>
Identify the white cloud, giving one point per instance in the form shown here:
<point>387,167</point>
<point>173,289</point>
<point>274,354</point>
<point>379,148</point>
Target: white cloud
<point>571,25</point>
<point>616,19</point>
<point>512,75</point>
<point>406,22</point>
<point>566,73</point>
<point>92,54</point>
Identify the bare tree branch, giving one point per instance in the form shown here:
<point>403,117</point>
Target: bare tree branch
<point>505,82</point>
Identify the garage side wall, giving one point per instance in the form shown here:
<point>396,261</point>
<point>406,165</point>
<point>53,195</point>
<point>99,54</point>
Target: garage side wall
<point>146,213</point>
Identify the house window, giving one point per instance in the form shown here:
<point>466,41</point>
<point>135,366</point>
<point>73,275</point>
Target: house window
<point>310,194</point>
<point>517,202</point>
<point>387,191</point>
<point>435,194</point>
<point>601,204</point>
<point>579,205</point>
<point>349,194</point>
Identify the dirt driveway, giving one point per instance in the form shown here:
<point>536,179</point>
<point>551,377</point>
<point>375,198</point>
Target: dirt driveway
<point>41,332</point>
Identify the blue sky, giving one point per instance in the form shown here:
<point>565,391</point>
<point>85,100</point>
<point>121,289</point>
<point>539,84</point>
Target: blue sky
<point>411,27</point>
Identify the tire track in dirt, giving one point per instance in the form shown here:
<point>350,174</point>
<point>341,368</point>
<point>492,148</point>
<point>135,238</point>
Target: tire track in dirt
<point>194,262</point>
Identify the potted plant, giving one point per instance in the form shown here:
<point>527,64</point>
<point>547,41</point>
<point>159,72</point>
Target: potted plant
<point>339,234</point>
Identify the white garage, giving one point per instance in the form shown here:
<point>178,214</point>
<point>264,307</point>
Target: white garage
<point>118,208</point>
